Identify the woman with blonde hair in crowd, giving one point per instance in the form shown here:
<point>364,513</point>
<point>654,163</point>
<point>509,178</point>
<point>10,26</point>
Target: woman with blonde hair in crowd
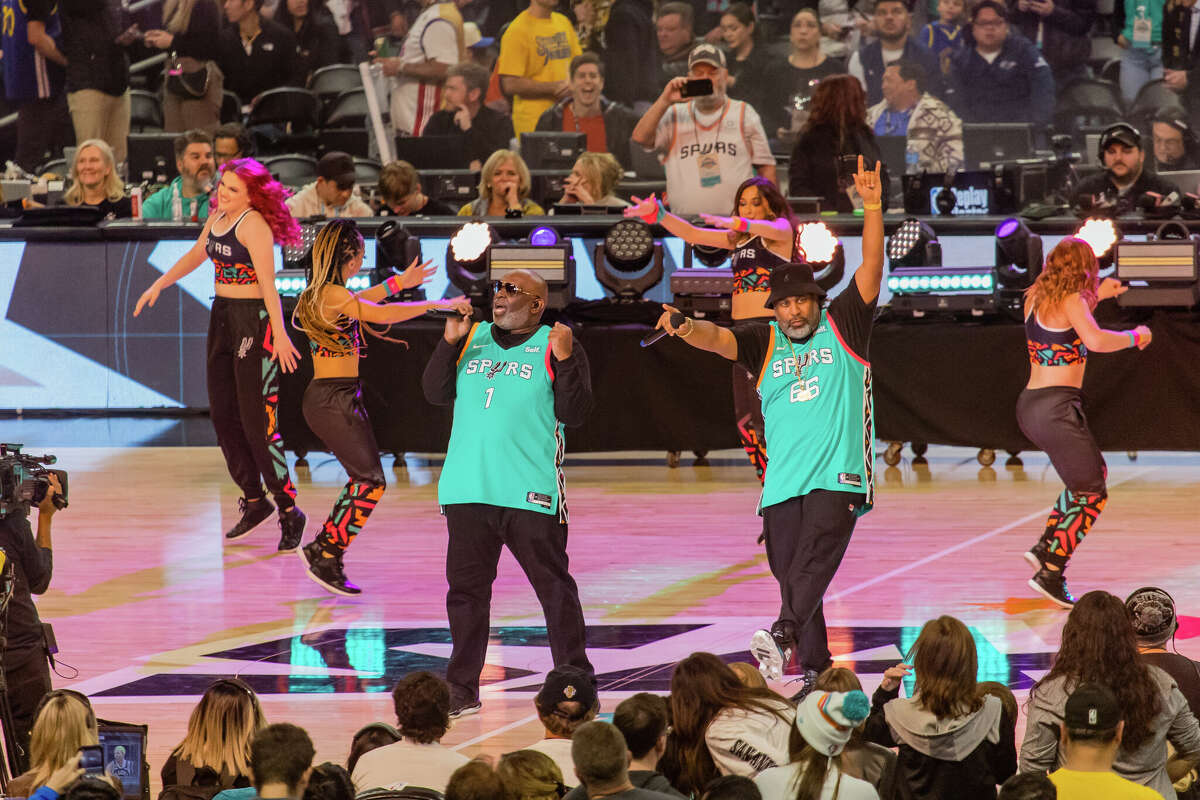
<point>65,723</point>
<point>504,187</point>
<point>95,182</point>
<point>530,775</point>
<point>592,181</point>
<point>218,737</point>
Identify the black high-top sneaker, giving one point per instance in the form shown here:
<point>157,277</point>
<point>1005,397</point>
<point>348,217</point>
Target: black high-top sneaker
<point>1038,555</point>
<point>808,683</point>
<point>463,706</point>
<point>1052,583</point>
<point>327,570</point>
<point>252,515</point>
<point>291,528</point>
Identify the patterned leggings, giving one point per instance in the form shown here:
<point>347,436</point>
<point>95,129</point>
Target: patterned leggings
<point>747,408</point>
<point>333,409</point>
<point>1053,420</point>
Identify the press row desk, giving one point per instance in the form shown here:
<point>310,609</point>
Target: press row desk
<point>68,341</point>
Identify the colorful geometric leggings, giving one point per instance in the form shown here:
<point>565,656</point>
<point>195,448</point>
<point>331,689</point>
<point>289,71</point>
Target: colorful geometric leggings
<point>1072,517</point>
<point>333,409</point>
<point>747,409</point>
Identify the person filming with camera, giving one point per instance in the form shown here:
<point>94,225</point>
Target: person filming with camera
<point>26,669</point>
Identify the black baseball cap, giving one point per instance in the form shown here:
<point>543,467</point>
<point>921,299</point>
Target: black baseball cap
<point>338,167</point>
<point>1092,707</point>
<point>792,280</point>
<point>567,683</point>
<point>1121,132</point>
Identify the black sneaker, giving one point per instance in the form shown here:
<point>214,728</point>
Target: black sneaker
<point>1052,583</point>
<point>773,650</point>
<point>327,570</point>
<point>464,708</point>
<point>808,683</point>
<point>252,515</point>
<point>291,528</point>
<point>1036,555</point>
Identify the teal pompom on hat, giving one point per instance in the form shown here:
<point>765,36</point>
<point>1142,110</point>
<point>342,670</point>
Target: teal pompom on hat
<point>826,719</point>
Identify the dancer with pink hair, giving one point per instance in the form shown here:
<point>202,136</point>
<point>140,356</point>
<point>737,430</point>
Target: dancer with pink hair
<point>247,341</point>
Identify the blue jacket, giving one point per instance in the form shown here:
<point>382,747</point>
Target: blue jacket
<point>871,58</point>
<point>1016,87</point>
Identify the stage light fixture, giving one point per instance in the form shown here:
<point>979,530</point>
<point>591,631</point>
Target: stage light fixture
<point>291,282</point>
<point>395,249</point>
<point>1100,234</point>
<point>555,263</point>
<point>629,262</point>
<point>921,290</point>
<point>822,251</point>
<point>466,261</point>
<point>914,244</point>
<point>544,236</point>
<point>705,254</point>
<point>1018,255</point>
<point>1160,272</point>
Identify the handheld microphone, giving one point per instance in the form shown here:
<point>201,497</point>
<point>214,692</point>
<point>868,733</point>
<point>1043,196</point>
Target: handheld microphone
<point>677,319</point>
<point>446,313</point>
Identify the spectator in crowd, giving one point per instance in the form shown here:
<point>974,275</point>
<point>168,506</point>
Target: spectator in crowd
<point>434,44</point>
<point>399,190</point>
<point>1003,78</point>
<point>256,53</point>
<point>933,132</point>
<point>591,19</point>
<point>1181,51</point>
<point>474,780</point>
<point>1088,743</point>
<point>723,727</point>
<point>97,71</point>
<point>504,186</point>
<point>952,741</point>
<point>482,130</point>
<point>836,128</point>
<point>750,65</point>
<point>643,721</point>
<point>231,141</point>
<point>842,27</point>
<point>316,34</point>
<point>824,722</point>
<point>704,169</point>
<point>196,168</point>
<point>333,193</point>
<point>1175,144</point>
<point>806,66</point>
<point>193,83</point>
<point>370,737</point>
<point>1137,27</point>
<point>281,756</point>
<point>535,56</point>
<point>422,703</point>
<point>566,701</point>
<point>731,787</point>
<point>749,675</point>
<point>893,24</point>
<point>217,742</point>
<point>1125,180</point>
<point>944,36</point>
<point>674,29</point>
<point>34,78</point>
<point>871,762</point>
<point>592,181</point>
<point>629,52</point>
<point>389,45</point>
<point>1099,646</point>
<point>1028,786</point>
<point>328,782</point>
<point>95,182</point>
<point>479,47</point>
<point>1152,613</point>
<point>1062,30</point>
<point>65,723</point>
<point>530,775</point>
<point>608,124</point>
<point>601,761</point>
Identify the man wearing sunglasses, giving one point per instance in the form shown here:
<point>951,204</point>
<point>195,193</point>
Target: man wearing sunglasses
<point>514,383</point>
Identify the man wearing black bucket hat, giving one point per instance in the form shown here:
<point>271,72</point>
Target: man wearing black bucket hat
<point>814,379</point>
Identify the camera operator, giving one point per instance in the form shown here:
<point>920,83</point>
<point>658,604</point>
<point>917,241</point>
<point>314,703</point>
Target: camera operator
<point>26,669</point>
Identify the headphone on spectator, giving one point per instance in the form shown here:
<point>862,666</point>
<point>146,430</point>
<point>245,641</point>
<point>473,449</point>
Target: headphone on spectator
<point>1152,613</point>
<point>1177,120</point>
<point>1112,132</point>
<point>80,696</point>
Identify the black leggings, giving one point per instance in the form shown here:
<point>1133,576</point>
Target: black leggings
<point>333,409</point>
<point>1052,418</point>
<point>243,398</point>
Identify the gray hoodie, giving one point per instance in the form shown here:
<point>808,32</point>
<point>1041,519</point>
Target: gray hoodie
<point>1147,765</point>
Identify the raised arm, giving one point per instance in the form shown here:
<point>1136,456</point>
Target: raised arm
<point>646,130</point>
<point>870,188</point>
<point>255,234</point>
<point>411,278</point>
<point>1097,339</point>
<point>194,257</point>
<point>700,334</point>
<point>652,212</point>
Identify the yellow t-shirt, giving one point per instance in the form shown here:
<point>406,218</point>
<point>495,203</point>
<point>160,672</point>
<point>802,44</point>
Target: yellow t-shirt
<point>1075,785</point>
<point>538,49</point>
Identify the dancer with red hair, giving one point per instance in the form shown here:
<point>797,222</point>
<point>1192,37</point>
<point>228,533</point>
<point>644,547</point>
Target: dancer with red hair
<point>247,341</point>
<point>1059,332</point>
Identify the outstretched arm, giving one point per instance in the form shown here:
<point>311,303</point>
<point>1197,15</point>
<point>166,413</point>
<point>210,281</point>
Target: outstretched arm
<point>194,257</point>
<point>342,301</point>
<point>700,334</point>
<point>778,229</point>
<point>411,278</point>
<point>870,274</point>
<point>651,211</point>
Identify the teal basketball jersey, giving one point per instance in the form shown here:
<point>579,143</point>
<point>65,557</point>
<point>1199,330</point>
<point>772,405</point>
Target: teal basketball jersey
<point>506,446</point>
<point>817,405</point>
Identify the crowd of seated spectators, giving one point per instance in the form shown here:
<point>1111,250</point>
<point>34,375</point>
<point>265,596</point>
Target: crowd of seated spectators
<point>1115,717</point>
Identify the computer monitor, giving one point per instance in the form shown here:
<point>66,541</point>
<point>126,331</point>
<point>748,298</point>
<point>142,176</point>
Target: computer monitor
<point>151,157</point>
<point>987,143</point>
<point>552,149</point>
<point>124,748</point>
<point>453,186</point>
<point>893,150</point>
<point>432,152</point>
<point>1092,152</point>
<point>547,185</point>
<point>580,209</point>
<point>1187,181</point>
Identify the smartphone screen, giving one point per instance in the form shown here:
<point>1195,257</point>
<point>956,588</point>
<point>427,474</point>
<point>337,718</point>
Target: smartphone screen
<point>91,759</point>
<point>697,87</point>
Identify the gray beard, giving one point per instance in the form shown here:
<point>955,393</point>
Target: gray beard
<point>710,103</point>
<point>803,331</point>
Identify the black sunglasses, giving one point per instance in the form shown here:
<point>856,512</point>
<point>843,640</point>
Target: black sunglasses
<point>509,289</point>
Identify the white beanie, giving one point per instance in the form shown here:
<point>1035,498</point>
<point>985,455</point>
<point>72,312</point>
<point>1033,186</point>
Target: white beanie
<point>826,719</point>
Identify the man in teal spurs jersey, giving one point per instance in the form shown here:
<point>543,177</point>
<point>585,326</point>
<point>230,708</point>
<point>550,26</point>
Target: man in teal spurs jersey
<point>515,383</point>
<point>815,382</point>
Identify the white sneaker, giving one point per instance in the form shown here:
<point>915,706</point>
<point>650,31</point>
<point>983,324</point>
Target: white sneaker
<point>770,656</point>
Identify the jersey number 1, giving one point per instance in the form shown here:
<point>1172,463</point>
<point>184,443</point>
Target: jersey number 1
<point>488,403</point>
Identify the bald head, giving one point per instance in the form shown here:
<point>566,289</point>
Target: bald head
<point>521,310</point>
